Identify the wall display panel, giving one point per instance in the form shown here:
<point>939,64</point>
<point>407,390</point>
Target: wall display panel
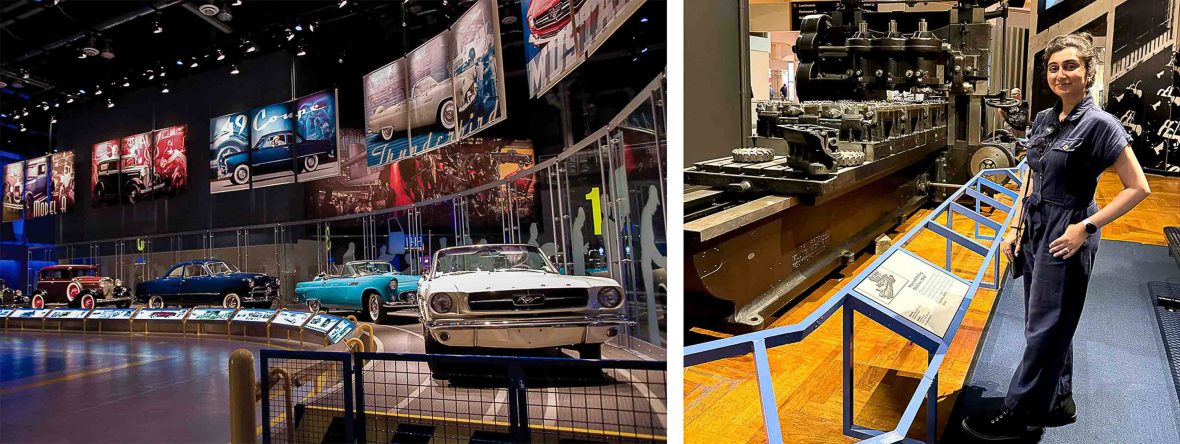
<point>36,187</point>
<point>469,164</point>
<point>433,109</point>
<point>358,189</point>
<point>550,49</point>
<point>595,20</point>
<point>61,188</point>
<point>104,173</point>
<point>229,144</point>
<point>136,177</point>
<point>387,120</point>
<point>478,57</point>
<point>14,196</point>
<point>317,138</point>
<point>272,145</point>
<point>1140,100</point>
<point>170,161</point>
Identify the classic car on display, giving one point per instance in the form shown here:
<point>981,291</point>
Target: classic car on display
<point>430,102</point>
<point>208,282</point>
<point>273,153</point>
<point>511,296</point>
<point>369,286</point>
<point>78,286</point>
<point>11,297</point>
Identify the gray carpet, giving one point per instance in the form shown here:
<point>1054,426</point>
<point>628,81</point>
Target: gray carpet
<point>1122,381</point>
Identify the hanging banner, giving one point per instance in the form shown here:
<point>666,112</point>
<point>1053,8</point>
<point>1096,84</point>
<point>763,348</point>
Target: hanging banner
<point>477,57</point>
<point>170,163</point>
<point>316,137</point>
<point>136,179</point>
<point>104,173</point>
<point>433,110</point>
<point>272,141</point>
<point>37,187</point>
<point>14,196</point>
<point>229,137</point>
<point>449,88</point>
<point>561,34</point>
<point>61,188</point>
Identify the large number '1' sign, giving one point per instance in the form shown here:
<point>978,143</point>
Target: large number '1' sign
<point>596,208</point>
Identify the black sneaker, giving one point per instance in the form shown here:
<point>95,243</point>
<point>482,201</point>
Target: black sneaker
<point>1064,413</point>
<point>999,425</point>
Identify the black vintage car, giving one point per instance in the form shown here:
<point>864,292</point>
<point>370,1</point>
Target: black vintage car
<point>208,282</point>
<point>11,297</point>
<point>138,182</point>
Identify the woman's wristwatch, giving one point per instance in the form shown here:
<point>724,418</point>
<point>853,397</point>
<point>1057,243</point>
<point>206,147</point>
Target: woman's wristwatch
<point>1090,227</point>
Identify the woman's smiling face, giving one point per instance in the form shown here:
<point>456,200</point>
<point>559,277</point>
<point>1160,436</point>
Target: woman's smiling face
<point>1067,73</point>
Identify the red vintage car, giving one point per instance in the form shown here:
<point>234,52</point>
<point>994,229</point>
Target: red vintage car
<point>78,286</point>
<point>547,17</point>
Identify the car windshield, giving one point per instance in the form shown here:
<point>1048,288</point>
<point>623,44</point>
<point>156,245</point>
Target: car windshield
<point>491,258</point>
<point>363,268</point>
<point>85,272</point>
<point>221,268</point>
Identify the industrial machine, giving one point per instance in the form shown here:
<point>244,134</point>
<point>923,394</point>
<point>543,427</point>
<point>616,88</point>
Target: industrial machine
<point>889,119</point>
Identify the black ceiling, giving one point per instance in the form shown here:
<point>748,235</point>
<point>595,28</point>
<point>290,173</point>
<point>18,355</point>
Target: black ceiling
<point>41,42</point>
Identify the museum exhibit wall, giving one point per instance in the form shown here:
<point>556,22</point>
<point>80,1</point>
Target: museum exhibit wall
<point>607,153</point>
<point>713,98</point>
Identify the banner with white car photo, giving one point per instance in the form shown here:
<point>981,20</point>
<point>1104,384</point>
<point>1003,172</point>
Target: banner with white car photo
<point>14,178</point>
<point>449,88</point>
<point>561,34</point>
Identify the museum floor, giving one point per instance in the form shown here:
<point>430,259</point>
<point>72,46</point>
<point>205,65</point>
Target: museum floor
<point>721,398</point>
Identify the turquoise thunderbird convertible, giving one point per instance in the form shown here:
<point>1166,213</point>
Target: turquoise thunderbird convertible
<point>369,286</point>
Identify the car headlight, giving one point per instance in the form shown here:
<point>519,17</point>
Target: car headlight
<point>249,283</point>
<point>610,297</point>
<point>442,303</point>
<point>393,285</point>
<point>19,293</point>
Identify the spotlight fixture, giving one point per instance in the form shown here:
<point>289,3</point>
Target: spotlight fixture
<point>164,89</point>
<point>57,104</point>
<point>220,55</point>
<point>194,64</point>
<point>234,69</point>
<point>81,91</point>
<point>643,20</point>
<point>342,4</point>
<point>209,9</point>
<point>249,46</point>
<point>341,58</point>
<point>22,128</point>
<point>24,73</point>
<point>313,25</point>
<point>151,75</point>
<point>225,15</point>
<point>16,117</point>
<point>179,62</point>
<point>110,104</point>
<point>90,48</point>
<point>290,35</point>
<point>126,83</point>
<point>3,84</point>
<point>107,52</point>
<point>236,3</point>
<point>70,100</point>
<point>156,28</point>
<point>24,112</point>
<point>52,119</point>
<point>301,51</point>
<point>298,26</point>
<point>97,90</point>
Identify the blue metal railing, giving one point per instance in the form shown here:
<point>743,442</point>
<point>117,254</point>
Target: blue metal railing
<point>853,301</point>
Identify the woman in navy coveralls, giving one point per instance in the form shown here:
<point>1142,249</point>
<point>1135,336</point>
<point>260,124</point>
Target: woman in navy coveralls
<point>1070,145</point>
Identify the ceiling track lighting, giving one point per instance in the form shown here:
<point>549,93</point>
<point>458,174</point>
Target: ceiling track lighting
<point>342,4</point>
<point>22,128</point>
<point>24,112</point>
<point>234,70</point>
<point>107,52</point>
<point>290,35</point>
<point>156,28</point>
<point>52,119</point>
<point>110,103</point>
<point>164,89</point>
<point>24,73</point>
<point>300,51</point>
<point>126,83</point>
<point>70,100</point>
<point>97,90</point>
<point>220,55</point>
<point>194,64</point>
<point>236,3</point>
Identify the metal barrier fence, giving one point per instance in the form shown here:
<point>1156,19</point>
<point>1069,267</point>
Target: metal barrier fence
<point>395,397</point>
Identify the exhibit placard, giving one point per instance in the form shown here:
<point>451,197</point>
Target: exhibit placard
<point>161,314</point>
<point>4,312</point>
<point>321,323</point>
<point>14,184</point>
<point>68,313</point>
<point>342,328</point>
<point>292,318</point>
<point>211,314</point>
<point>923,293</point>
<point>30,313</point>
<point>254,315</point>
<point>112,313</point>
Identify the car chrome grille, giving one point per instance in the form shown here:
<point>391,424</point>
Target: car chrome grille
<point>531,299</point>
<point>553,15</point>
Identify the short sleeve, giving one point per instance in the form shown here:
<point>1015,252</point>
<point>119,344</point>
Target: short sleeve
<point>1109,140</point>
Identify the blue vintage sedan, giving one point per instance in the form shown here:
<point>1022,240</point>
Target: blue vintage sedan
<point>274,152</point>
<point>369,286</point>
<point>208,282</point>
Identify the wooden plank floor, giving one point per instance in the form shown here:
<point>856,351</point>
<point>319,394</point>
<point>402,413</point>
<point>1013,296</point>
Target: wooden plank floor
<point>721,398</point>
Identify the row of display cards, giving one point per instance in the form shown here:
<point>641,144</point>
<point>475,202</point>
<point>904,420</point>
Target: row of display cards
<point>335,328</point>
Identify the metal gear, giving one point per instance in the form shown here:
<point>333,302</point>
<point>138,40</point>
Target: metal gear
<point>753,155</point>
<point>848,158</point>
<point>989,157</point>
